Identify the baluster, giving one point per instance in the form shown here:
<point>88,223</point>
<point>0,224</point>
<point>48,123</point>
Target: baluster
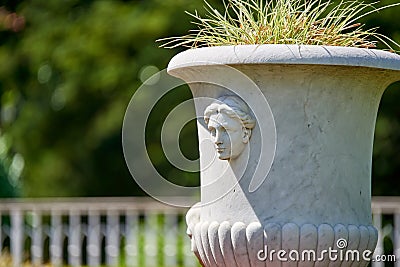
<point>150,239</point>
<point>377,219</point>
<point>189,260</point>
<point>94,239</point>
<point>37,239</point>
<point>74,246</point>
<point>396,243</point>
<point>112,238</point>
<point>56,242</point>
<point>16,238</point>
<point>170,240</point>
<point>132,240</point>
<point>1,234</point>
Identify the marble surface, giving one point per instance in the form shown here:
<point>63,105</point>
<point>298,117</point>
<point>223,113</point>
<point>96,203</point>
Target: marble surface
<point>308,161</point>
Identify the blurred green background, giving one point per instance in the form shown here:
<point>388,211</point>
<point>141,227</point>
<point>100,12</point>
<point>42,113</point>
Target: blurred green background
<point>68,70</point>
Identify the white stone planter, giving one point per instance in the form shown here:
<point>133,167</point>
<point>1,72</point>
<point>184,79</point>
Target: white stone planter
<point>303,181</point>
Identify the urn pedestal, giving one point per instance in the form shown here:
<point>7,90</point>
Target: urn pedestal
<point>303,180</point>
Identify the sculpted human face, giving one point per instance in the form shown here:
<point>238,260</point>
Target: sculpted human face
<point>228,134</point>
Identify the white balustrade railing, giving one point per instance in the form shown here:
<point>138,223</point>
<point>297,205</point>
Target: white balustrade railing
<point>386,218</point>
<point>127,232</point>
<point>94,232</point>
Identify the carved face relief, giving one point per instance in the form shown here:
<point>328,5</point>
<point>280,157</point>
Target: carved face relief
<point>228,134</point>
<point>229,121</point>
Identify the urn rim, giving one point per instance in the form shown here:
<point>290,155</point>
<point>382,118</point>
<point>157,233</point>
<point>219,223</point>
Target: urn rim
<point>288,54</point>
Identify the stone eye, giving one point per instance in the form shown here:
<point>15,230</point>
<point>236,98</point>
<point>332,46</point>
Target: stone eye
<point>212,131</point>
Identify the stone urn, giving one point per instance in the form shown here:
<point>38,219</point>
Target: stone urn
<point>285,134</point>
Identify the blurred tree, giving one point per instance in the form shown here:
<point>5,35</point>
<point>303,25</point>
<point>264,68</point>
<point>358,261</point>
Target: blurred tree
<point>386,155</point>
<point>11,162</point>
<point>65,82</point>
<point>69,69</point>
<point>7,189</point>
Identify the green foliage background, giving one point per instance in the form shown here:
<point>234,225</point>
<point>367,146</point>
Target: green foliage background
<point>66,78</point>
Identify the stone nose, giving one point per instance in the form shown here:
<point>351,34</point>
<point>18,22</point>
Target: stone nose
<point>218,138</point>
<point>218,141</point>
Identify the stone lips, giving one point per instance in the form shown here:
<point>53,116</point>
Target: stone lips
<point>230,245</point>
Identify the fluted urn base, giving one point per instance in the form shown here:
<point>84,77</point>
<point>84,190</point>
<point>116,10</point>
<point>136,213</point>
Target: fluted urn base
<point>224,244</point>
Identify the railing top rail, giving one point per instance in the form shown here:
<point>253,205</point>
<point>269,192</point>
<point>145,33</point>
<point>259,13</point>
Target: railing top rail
<point>380,204</point>
<point>386,204</point>
<point>91,204</point>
